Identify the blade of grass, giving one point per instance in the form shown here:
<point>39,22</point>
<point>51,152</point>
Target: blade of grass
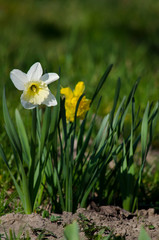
<point>10,127</point>
<point>3,156</point>
<point>115,101</point>
<point>71,232</point>
<point>23,137</point>
<point>101,82</point>
<point>45,128</point>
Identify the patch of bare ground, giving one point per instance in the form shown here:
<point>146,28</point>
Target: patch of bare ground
<point>109,218</point>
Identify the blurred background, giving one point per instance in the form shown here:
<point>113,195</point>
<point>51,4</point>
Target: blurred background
<point>82,37</point>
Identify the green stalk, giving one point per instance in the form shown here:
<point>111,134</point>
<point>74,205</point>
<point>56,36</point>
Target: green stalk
<point>67,179</point>
<point>34,125</point>
<point>27,201</point>
<point>41,190</point>
<point>33,153</point>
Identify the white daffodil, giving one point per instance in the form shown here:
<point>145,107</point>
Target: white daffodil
<point>34,86</point>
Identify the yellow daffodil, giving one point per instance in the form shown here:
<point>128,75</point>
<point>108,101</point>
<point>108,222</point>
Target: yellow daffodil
<point>34,86</point>
<point>71,99</point>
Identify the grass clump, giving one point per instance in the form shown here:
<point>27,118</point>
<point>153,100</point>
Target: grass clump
<point>63,160</point>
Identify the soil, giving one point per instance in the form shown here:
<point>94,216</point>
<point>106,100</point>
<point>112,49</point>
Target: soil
<point>108,218</point>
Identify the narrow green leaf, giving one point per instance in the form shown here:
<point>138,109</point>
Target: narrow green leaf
<point>3,156</point>
<point>63,116</point>
<point>10,126</point>
<point>20,193</point>
<point>45,128</point>
<point>81,152</point>
<point>39,115</point>
<point>72,142</point>
<point>144,132</point>
<point>23,137</point>
<point>144,139</point>
<point>84,147</point>
<point>125,110</point>
<point>59,189</point>
<point>101,82</point>
<point>71,232</point>
<point>115,101</point>
<point>81,135</point>
<point>143,235</point>
<point>102,133</point>
<point>34,125</point>
<point>116,117</point>
<point>154,112</point>
<point>132,129</point>
<point>27,195</point>
<point>153,122</point>
<point>91,174</point>
<point>56,111</point>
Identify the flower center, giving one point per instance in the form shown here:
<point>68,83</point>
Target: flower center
<point>35,92</point>
<point>34,88</point>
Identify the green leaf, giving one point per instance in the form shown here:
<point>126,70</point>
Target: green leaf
<point>11,131</point>
<point>81,135</point>
<point>71,232</point>
<point>143,235</point>
<point>23,137</point>
<point>63,116</point>
<point>59,189</point>
<point>115,101</point>
<point>74,126</point>
<point>20,193</point>
<point>27,204</point>
<point>81,152</point>
<point>56,111</point>
<point>144,132</point>
<point>91,175</point>
<point>153,121</point>
<point>102,133</point>
<point>34,127</point>
<point>84,146</point>
<point>45,128</point>
<point>101,82</point>
<point>125,110</point>
<point>116,117</point>
<point>3,156</point>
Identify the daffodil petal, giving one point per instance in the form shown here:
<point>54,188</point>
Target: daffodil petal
<point>35,72</point>
<point>67,92</point>
<point>50,77</point>
<point>18,78</point>
<point>79,89</point>
<point>27,105</point>
<point>50,100</point>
